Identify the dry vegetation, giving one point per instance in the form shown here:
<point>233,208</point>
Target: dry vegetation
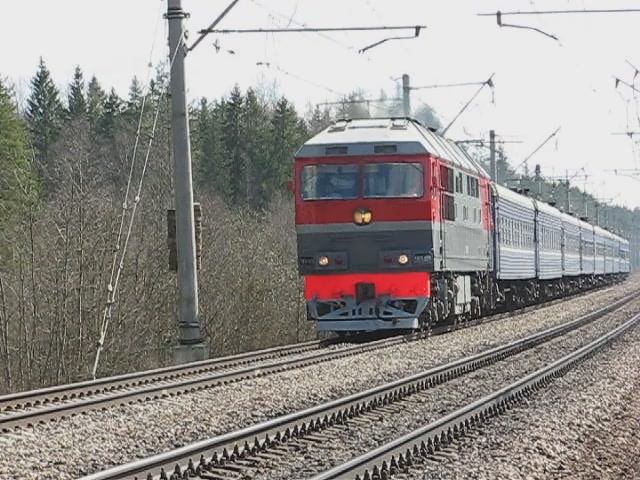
<point>57,262</point>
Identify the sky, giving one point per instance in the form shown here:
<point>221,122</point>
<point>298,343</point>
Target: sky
<point>540,84</point>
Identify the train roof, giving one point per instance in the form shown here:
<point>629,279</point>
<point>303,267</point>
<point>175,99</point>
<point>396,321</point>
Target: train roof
<point>513,197</point>
<point>570,219</point>
<point>548,209</point>
<point>386,136</point>
<point>605,233</point>
<point>585,225</point>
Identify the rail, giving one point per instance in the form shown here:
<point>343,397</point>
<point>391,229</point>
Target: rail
<point>220,451</point>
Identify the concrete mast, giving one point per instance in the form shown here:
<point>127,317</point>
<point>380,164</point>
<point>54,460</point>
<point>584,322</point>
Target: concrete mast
<point>191,346</point>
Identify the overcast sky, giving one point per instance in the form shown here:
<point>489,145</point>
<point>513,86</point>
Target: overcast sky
<point>540,84</point>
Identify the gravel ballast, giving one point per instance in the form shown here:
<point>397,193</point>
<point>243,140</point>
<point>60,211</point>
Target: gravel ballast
<point>586,425</point>
<point>98,440</point>
<point>308,459</point>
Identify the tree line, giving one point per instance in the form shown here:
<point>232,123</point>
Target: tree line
<point>65,165</point>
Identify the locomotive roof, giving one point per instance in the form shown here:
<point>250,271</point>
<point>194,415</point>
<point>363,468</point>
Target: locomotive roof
<point>385,136</point>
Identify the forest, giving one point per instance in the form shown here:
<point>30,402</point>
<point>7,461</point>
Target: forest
<point>68,157</point>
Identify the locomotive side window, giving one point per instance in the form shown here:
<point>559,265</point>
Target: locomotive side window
<point>473,189</point>
<point>447,186</point>
<point>329,182</point>
<point>448,207</point>
<point>458,182</point>
<point>393,180</point>
<point>446,179</point>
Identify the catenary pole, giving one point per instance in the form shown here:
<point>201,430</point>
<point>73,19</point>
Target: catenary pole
<point>191,347</point>
<point>492,155</point>
<point>406,95</point>
<point>568,184</point>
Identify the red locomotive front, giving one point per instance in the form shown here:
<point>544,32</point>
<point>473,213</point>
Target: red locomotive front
<point>367,214</point>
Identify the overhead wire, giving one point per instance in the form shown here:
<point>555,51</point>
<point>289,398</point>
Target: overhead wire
<point>350,48</point>
<point>346,46</point>
<point>120,249</point>
<point>627,101</point>
<point>290,19</point>
<point>562,12</point>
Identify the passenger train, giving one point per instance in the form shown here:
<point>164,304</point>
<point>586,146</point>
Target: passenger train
<point>399,228</point>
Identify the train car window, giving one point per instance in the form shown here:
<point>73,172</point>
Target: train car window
<point>531,236</point>
<point>520,234</point>
<point>329,182</point>
<point>395,180</point>
<point>507,233</point>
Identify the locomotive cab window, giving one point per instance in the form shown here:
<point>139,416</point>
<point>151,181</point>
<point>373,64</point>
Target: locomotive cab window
<point>329,182</point>
<point>393,180</point>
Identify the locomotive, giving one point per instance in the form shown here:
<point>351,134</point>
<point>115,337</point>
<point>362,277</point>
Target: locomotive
<point>398,228</point>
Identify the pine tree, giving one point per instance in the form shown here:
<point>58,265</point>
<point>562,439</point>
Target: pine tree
<point>234,187</point>
<point>95,104</point>
<point>158,85</point>
<point>288,132</point>
<point>208,146</point>
<point>354,106</point>
<point>44,113</point>
<point>76,99</point>
<point>134,102</point>
<point>199,118</point>
<point>255,151</point>
<point>318,119</point>
<point>17,181</point>
<point>111,110</point>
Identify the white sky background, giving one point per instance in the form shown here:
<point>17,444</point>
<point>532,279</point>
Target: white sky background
<point>540,84</point>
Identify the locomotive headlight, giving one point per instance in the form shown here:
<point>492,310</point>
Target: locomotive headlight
<point>323,261</point>
<point>403,259</point>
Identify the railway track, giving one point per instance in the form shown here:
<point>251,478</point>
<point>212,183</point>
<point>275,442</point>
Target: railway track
<point>228,455</point>
<point>412,449</point>
<point>58,393</point>
<point>24,409</point>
